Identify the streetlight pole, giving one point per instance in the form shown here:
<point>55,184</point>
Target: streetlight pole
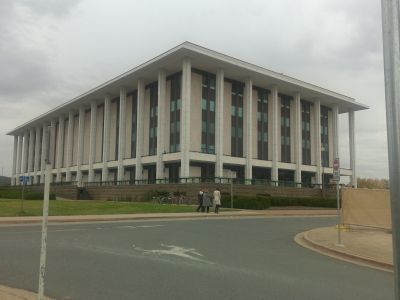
<point>48,160</point>
<point>391,55</point>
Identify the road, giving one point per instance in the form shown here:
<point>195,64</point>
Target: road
<point>247,258</point>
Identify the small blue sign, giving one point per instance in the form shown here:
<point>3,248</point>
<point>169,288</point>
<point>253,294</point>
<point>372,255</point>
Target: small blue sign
<point>24,179</point>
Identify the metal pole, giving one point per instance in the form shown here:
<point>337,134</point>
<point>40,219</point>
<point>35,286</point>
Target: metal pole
<point>391,55</point>
<point>339,236</point>
<point>42,268</point>
<point>22,196</point>
<point>231,192</point>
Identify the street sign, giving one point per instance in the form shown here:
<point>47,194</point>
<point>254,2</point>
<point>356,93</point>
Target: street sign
<point>336,164</point>
<point>24,179</point>
<point>336,170</point>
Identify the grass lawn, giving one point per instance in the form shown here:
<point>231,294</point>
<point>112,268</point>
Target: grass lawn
<point>11,208</point>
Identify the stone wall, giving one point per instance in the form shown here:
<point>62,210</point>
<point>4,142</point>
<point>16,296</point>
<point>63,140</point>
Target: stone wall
<point>143,192</point>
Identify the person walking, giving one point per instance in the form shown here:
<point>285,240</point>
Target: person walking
<point>206,201</point>
<point>217,200</point>
<point>200,201</point>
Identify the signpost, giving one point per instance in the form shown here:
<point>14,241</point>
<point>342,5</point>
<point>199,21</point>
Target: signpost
<point>23,180</point>
<point>336,178</point>
<point>48,161</point>
<point>391,55</point>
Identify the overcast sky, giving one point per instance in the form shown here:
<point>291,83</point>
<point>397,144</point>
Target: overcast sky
<point>52,51</point>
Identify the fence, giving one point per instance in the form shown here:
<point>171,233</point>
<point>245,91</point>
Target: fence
<point>218,180</point>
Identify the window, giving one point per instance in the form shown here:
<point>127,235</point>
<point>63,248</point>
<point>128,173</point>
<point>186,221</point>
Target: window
<point>285,128</point>
<point>153,87</point>
<point>175,113</point>
<point>40,148</point>
<point>305,132</point>
<point>134,123</point>
<point>208,114</point>
<point>237,119</point>
<point>116,100</point>
<point>262,124</point>
<point>324,137</point>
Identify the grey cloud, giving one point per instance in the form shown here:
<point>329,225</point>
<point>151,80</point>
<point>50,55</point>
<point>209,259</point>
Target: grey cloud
<point>54,8</point>
<point>25,55</point>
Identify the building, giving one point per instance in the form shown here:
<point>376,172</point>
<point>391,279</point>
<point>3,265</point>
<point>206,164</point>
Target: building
<point>190,112</point>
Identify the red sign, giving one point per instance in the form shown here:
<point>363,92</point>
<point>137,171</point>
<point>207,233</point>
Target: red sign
<point>336,164</point>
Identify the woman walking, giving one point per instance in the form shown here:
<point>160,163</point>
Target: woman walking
<point>217,200</point>
<point>206,201</point>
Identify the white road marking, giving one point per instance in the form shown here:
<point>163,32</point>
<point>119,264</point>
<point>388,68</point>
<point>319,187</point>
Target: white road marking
<point>72,229</point>
<point>140,226</point>
<point>188,253</point>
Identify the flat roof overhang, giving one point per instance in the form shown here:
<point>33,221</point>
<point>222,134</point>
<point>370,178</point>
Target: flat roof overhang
<point>203,59</point>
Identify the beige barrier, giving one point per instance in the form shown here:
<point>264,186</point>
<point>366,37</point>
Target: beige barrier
<point>366,207</point>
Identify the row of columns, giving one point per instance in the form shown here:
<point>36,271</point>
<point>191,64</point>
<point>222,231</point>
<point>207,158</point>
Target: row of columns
<point>25,162</point>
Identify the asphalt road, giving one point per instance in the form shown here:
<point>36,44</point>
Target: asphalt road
<point>249,258</point>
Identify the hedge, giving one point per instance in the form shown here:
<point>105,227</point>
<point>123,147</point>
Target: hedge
<point>308,202</point>
<point>246,202</point>
<point>13,193</point>
<point>264,202</point>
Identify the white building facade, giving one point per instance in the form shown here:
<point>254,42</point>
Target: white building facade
<point>190,113</point>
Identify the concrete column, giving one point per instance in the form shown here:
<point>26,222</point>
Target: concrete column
<point>219,124</point>
<point>335,125</point>
<point>352,144</point>
<point>162,99</point>
<point>70,143</point>
<point>81,130</point>
<point>30,149</point>
<point>317,125</point>
<point>275,134</point>
<point>92,144</point>
<point>248,93</point>
<point>140,129</point>
<point>122,133</point>
<point>52,154</point>
<point>185,116</point>
<point>14,163</point>
<point>19,158</point>
<point>43,155</point>
<point>36,166</point>
<point>297,138</point>
<point>106,137</point>
<point>24,167</point>
<point>60,147</point>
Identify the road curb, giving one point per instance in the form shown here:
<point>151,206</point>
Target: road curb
<point>133,217</point>
<point>303,239</point>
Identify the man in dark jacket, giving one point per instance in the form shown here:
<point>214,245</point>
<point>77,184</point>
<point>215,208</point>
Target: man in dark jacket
<point>200,201</point>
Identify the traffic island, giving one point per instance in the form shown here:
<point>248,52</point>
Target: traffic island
<point>367,247</point>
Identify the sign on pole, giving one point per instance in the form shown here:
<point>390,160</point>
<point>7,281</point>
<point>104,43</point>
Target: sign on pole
<point>336,170</point>
<point>24,179</point>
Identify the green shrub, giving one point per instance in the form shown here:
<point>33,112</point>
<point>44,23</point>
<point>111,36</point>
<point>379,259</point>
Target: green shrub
<point>265,201</point>
<point>307,202</point>
<point>38,196</point>
<point>15,193</point>
<point>10,193</point>
<point>247,202</point>
<point>156,193</point>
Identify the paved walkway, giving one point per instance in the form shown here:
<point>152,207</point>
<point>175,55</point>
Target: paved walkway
<point>369,247</point>
<point>8,293</point>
